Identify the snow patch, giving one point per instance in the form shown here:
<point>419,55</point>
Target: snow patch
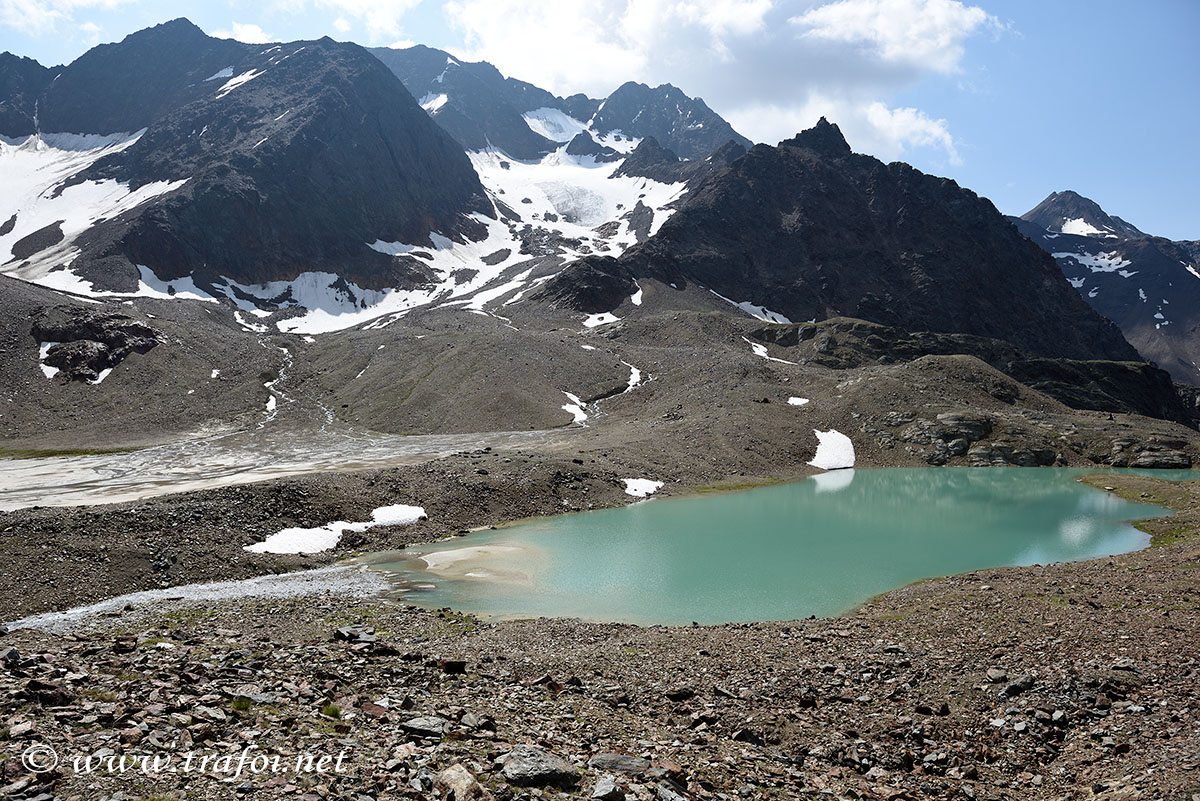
<point>575,408</point>
<point>761,312</point>
<point>1109,262</point>
<point>1080,227</point>
<point>43,352</point>
<point>322,538</point>
<point>236,81</point>
<point>432,102</point>
<point>835,451</point>
<point>761,350</point>
<point>636,297</point>
<point>225,73</point>
<point>604,318</point>
<point>641,487</point>
<point>34,169</point>
<point>635,377</point>
<point>797,401</point>
<point>555,125</point>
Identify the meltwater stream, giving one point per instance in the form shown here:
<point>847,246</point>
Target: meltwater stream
<point>814,547</point>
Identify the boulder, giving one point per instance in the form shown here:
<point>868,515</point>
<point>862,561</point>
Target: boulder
<point>526,766</point>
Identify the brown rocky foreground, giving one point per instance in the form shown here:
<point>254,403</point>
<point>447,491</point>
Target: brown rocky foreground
<point>1067,681</point>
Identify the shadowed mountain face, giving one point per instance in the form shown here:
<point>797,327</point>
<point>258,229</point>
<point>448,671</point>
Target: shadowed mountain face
<point>295,157</point>
<point>1149,286</point>
<point>481,108</point>
<point>22,81</point>
<point>810,230</point>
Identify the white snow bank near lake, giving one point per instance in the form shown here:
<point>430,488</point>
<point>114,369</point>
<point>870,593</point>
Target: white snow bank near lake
<point>345,581</point>
<point>834,450</point>
<point>641,487</point>
<point>322,538</point>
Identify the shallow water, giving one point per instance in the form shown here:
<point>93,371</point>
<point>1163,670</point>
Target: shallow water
<point>814,547</point>
<point>226,459</point>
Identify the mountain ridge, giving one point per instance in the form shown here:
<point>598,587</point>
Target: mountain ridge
<point>810,230</point>
<point>1148,285</point>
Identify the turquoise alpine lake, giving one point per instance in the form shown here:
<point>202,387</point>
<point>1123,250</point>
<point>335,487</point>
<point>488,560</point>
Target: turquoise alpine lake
<point>819,546</point>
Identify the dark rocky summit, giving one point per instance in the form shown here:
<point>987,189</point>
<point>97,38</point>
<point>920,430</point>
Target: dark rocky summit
<point>684,125</point>
<point>482,108</point>
<point>295,158</point>
<point>1060,208</point>
<point>811,230</point>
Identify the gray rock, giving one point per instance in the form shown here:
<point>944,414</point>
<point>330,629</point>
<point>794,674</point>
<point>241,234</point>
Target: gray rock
<point>457,783</point>
<point>607,789</point>
<point>1019,686</point>
<point>428,726</point>
<point>526,766</point>
<point>1162,460</point>
<point>621,763</point>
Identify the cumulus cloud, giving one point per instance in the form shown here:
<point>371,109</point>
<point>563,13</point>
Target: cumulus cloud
<point>772,67</point>
<point>925,34</point>
<point>36,17</point>
<point>380,19</point>
<point>244,32</point>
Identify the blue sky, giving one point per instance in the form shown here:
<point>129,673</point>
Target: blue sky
<point>1013,99</point>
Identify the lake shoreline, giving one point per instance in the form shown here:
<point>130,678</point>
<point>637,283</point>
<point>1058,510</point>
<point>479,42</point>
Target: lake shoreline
<point>1069,680</point>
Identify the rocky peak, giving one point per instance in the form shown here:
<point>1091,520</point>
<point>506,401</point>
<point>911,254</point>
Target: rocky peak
<point>824,138</point>
<point>1071,213</point>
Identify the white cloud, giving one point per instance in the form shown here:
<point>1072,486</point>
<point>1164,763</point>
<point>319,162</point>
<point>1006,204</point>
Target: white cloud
<point>244,32</point>
<point>91,33</point>
<point>341,25</point>
<point>869,127</point>
<point>379,18</point>
<point>926,34</point>
<point>595,45</point>
<point>37,17</point>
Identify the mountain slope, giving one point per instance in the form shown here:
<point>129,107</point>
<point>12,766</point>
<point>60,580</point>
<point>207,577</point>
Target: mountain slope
<point>1147,285</point>
<point>810,230</point>
<point>257,163</point>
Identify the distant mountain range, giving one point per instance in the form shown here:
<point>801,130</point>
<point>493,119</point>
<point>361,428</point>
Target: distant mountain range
<point>317,187</point>
<point>1147,285</point>
<point>483,109</point>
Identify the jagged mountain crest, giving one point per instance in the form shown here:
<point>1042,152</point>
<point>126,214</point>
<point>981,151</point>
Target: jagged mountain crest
<point>809,230</point>
<point>482,108</point>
